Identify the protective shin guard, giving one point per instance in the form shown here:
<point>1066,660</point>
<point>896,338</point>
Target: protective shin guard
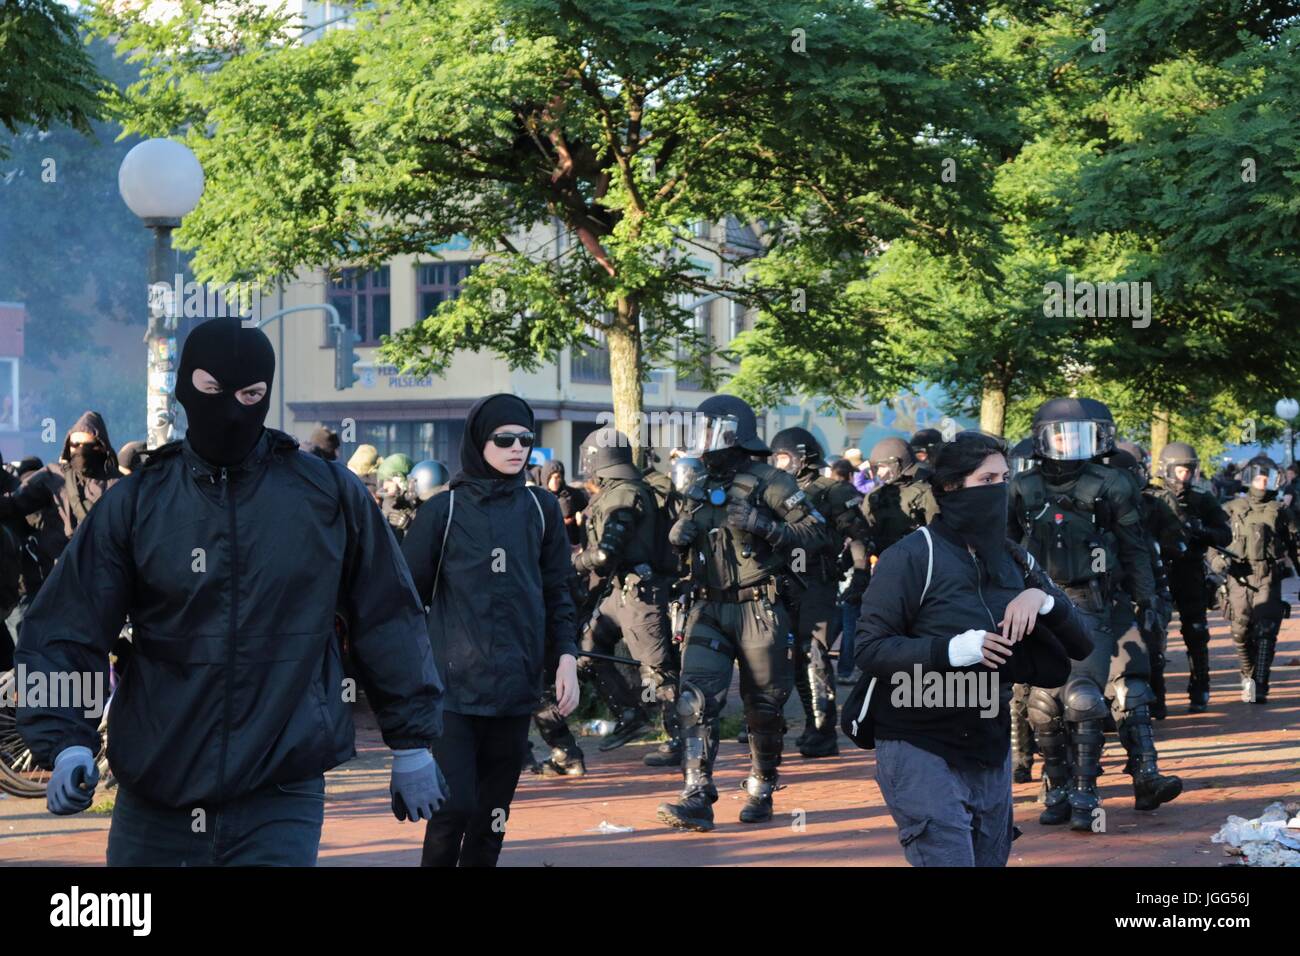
<point>1150,787</point>
<point>1197,639</point>
<point>1086,742</point>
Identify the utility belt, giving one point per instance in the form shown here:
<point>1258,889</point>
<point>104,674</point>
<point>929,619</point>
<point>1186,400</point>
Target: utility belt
<point>1094,595</point>
<point>763,590</point>
<point>644,584</point>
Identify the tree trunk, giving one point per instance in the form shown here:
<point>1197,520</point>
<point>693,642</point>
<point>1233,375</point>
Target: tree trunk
<point>993,407</point>
<point>1159,432</point>
<point>624,338</point>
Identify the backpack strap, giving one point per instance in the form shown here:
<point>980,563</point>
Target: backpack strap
<point>540,512</point>
<point>442,549</point>
<point>929,564</point>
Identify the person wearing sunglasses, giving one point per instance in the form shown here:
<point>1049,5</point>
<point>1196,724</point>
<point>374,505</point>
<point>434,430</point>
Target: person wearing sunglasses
<point>490,560</point>
<point>86,469</point>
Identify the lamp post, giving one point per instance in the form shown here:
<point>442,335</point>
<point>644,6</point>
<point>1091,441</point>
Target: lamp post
<point>161,181</point>
<point>1287,409</point>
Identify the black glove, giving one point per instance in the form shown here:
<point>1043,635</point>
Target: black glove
<point>683,532</point>
<point>852,595</point>
<point>1149,618</point>
<point>743,516</point>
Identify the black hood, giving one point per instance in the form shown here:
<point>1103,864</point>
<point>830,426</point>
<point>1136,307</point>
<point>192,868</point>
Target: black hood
<point>488,415</point>
<point>92,423</point>
<point>550,468</point>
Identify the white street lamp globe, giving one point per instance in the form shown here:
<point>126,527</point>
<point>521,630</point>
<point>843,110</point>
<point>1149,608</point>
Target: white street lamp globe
<point>160,179</point>
<point>1287,409</point>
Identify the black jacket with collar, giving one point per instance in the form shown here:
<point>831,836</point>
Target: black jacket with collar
<point>232,578</point>
<point>899,639</point>
<point>502,614</point>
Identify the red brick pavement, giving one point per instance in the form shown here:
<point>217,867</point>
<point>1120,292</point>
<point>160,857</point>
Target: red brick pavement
<point>1235,759</point>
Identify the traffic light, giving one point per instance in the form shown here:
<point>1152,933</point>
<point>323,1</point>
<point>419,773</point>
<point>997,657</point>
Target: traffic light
<point>345,358</point>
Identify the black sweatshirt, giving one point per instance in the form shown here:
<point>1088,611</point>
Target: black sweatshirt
<point>904,644</point>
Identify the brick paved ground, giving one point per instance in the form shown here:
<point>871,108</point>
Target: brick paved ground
<point>1235,759</point>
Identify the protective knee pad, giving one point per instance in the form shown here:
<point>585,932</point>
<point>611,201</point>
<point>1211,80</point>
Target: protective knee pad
<point>1083,700</point>
<point>1043,709</point>
<point>1131,693</point>
<point>763,714</point>
<point>1196,635</point>
<point>695,707</point>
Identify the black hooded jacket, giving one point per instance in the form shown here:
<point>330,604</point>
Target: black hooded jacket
<point>572,500</point>
<point>502,614</point>
<point>232,578</point>
<point>60,486</point>
<point>899,636</point>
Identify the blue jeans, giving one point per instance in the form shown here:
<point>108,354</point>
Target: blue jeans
<point>848,634</point>
<point>276,826</point>
<point>946,815</point>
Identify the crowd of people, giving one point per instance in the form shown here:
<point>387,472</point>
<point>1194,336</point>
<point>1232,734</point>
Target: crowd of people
<point>989,606</point>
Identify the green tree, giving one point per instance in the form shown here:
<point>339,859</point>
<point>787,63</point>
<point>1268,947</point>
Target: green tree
<point>46,77</point>
<point>824,123</point>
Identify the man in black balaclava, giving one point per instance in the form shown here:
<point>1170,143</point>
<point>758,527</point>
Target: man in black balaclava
<point>239,560</point>
<point>86,469</point>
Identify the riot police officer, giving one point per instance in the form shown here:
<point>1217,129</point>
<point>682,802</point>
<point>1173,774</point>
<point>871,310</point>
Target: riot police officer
<point>1203,524</point>
<point>741,521</point>
<point>628,553</point>
<point>809,590</point>
<point>1262,533</point>
<point>426,479</point>
<point>1080,521</point>
<point>904,501</point>
<point>1161,526</point>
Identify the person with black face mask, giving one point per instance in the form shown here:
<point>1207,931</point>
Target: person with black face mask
<point>238,558</point>
<point>86,469</point>
<point>490,558</point>
<point>1081,520</point>
<point>955,615</point>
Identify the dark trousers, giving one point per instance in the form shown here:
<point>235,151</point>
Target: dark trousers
<point>481,757</point>
<point>946,815</point>
<point>276,826</point>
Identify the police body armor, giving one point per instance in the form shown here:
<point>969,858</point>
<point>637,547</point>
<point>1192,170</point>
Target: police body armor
<point>1069,533</point>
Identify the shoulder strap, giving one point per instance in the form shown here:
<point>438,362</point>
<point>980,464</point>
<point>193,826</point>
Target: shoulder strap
<point>929,564</point>
<point>540,512</point>
<point>442,550</point>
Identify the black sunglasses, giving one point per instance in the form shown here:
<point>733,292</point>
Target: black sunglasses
<point>507,439</point>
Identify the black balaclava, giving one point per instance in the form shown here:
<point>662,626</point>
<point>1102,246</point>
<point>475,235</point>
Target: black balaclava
<point>978,515</point>
<point>486,417</point>
<point>223,431</point>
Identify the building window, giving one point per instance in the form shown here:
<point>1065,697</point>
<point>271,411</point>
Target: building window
<point>362,298</point>
<point>436,282</point>
<point>699,326</point>
<point>737,319</point>
<point>592,364</point>
<point>439,440</point>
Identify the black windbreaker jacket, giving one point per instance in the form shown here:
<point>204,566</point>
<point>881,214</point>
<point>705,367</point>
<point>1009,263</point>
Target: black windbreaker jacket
<point>897,633</point>
<point>503,613</point>
<point>232,578</point>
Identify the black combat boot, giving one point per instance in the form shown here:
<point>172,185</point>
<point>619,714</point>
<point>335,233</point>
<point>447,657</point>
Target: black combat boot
<point>758,808</point>
<point>1150,787</point>
<point>630,725</point>
<point>668,753</point>
<point>694,810</point>
<point>1055,795</point>
<point>1086,742</point>
<point>564,762</point>
<point>824,742</point>
<point>1197,637</point>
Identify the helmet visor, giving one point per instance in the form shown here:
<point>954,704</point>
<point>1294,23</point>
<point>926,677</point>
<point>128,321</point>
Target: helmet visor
<point>685,470</point>
<point>715,433</point>
<point>1068,441</point>
<point>1260,475</point>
